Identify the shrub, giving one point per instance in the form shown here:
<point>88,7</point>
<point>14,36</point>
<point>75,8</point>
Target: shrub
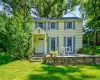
<point>89,50</point>
<point>5,58</point>
<point>84,51</point>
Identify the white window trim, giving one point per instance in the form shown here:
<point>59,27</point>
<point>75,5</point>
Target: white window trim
<point>55,25</point>
<point>72,42</point>
<point>41,22</point>
<point>72,25</point>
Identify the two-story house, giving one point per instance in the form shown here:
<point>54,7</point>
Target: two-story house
<point>56,33</point>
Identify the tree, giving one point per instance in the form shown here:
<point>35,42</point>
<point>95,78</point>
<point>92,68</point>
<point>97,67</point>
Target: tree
<point>91,11</point>
<point>13,37</point>
<point>41,8</point>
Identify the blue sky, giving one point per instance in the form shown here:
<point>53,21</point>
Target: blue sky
<point>74,13</point>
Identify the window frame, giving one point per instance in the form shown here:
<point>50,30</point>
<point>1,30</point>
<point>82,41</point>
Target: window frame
<point>39,26</point>
<point>71,42</point>
<point>50,25</point>
<point>55,43</point>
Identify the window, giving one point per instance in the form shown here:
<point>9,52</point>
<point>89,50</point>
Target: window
<point>40,25</point>
<point>69,25</point>
<point>53,41</point>
<point>53,25</point>
<point>69,42</point>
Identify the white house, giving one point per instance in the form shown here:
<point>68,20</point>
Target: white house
<point>57,34</point>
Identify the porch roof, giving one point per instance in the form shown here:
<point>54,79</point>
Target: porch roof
<point>39,31</point>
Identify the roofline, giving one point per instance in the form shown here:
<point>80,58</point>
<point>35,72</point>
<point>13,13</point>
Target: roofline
<point>56,19</point>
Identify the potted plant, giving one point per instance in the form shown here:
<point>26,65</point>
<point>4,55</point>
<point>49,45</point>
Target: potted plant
<point>56,53</point>
<point>51,53</point>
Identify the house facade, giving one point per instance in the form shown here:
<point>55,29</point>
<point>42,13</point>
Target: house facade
<point>56,34</point>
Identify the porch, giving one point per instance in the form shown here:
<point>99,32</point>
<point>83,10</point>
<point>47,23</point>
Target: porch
<point>39,42</point>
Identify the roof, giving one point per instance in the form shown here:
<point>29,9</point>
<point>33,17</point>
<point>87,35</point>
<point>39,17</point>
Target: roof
<point>63,18</point>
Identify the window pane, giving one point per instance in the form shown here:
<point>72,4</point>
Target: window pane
<point>69,42</point>
<point>41,25</point>
<point>53,25</point>
<point>69,25</point>
<point>53,44</point>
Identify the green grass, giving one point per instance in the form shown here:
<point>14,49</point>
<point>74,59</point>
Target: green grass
<point>25,70</point>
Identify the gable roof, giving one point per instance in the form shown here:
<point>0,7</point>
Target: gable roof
<point>63,18</point>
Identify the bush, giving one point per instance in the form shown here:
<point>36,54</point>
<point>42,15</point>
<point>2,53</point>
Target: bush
<point>4,58</point>
<point>84,51</point>
<point>98,50</point>
<point>89,50</point>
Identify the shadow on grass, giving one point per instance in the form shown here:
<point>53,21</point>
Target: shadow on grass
<point>4,59</point>
<point>62,73</point>
<point>43,77</point>
<point>54,73</point>
<point>62,70</point>
<point>96,66</point>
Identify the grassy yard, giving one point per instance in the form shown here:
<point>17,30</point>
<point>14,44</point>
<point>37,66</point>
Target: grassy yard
<point>24,70</point>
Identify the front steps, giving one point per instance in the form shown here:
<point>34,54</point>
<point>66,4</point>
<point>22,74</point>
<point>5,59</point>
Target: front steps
<point>36,59</point>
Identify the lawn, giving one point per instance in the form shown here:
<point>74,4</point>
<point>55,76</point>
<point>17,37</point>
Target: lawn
<point>25,70</point>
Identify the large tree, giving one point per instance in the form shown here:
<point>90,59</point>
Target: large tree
<point>13,37</point>
<point>91,11</point>
<point>41,8</point>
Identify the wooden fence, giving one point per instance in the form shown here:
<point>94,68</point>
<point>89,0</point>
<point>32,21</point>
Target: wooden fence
<point>72,60</point>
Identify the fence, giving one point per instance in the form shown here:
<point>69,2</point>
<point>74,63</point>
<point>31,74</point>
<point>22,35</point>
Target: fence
<point>72,60</point>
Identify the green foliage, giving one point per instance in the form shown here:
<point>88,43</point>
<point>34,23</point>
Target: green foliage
<point>84,51</point>
<point>90,10</point>
<point>98,49</point>
<point>4,58</point>
<point>89,50</point>
<point>44,8</point>
<point>14,36</point>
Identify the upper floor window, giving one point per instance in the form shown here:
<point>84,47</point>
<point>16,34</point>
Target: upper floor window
<point>69,25</point>
<point>53,25</point>
<point>40,24</point>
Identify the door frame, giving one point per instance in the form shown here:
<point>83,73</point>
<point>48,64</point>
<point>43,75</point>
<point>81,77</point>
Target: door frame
<point>40,47</point>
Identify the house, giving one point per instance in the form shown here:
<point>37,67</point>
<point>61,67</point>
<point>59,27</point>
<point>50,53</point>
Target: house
<point>56,34</point>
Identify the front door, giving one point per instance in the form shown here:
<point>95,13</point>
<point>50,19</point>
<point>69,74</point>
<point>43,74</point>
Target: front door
<point>41,46</point>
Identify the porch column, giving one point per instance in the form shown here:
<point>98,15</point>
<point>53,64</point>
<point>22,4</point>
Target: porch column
<point>45,43</point>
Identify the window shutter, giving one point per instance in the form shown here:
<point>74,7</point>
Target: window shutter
<point>73,25</point>
<point>65,25</point>
<point>48,45</point>
<point>48,25</point>
<point>57,45</point>
<point>74,43</point>
<point>44,25</point>
<point>57,26</point>
<point>36,24</point>
<point>65,42</point>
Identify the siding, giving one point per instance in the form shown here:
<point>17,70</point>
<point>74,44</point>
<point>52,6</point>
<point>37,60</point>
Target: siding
<point>69,32</point>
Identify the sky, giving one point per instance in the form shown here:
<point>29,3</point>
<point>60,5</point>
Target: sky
<point>74,13</point>
<point>0,5</point>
